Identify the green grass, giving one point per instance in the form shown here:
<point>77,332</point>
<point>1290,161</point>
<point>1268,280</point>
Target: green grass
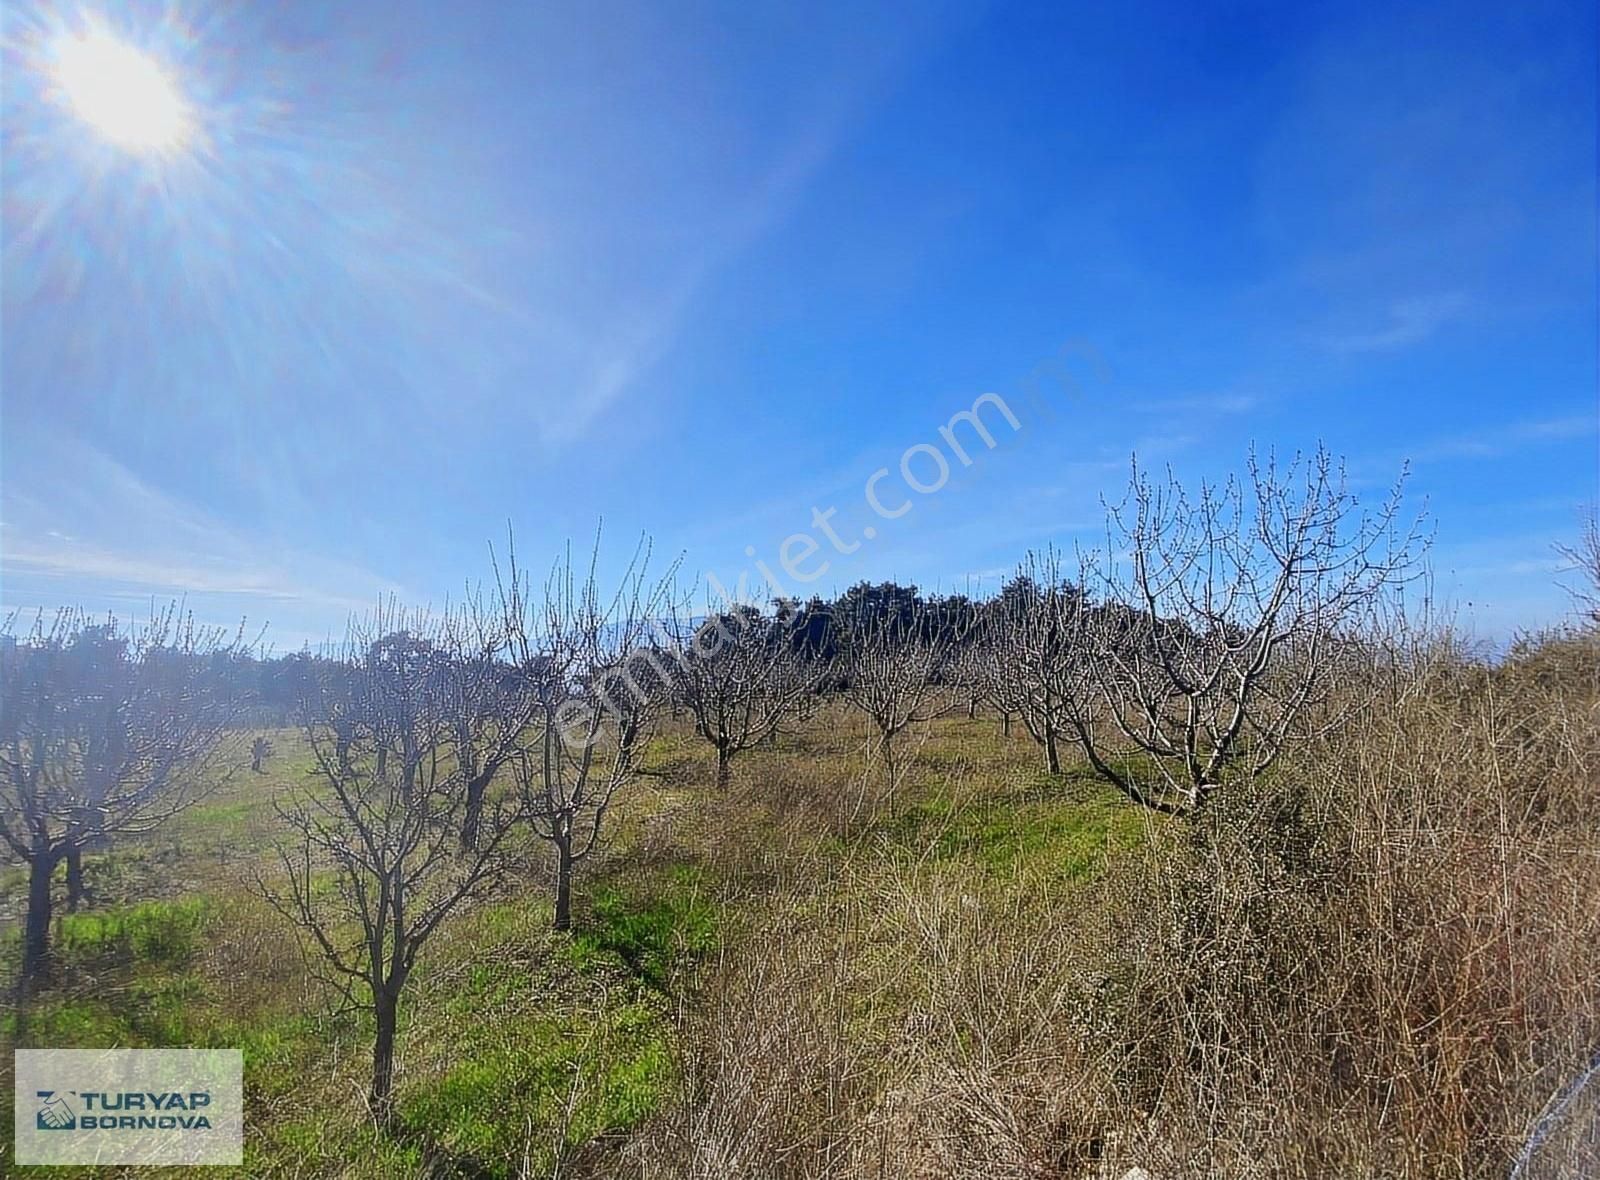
<point>1000,837</point>
<point>164,932</point>
<point>581,1074</point>
<point>1064,826</point>
<point>654,937</point>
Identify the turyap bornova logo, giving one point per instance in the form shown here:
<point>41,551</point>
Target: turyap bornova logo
<point>55,1113</point>
<point>125,1110</point>
<point>129,1106</point>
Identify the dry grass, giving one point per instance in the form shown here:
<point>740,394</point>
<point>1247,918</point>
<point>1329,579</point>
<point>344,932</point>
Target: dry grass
<point>1380,963</point>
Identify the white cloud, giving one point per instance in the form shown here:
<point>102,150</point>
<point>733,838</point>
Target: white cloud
<point>1512,436</point>
<point>1408,321</point>
<point>1215,403</point>
<point>88,527</point>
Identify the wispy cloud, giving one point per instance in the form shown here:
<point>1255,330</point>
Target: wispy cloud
<point>222,574</point>
<point>1208,403</point>
<point>1408,321</point>
<point>98,531</point>
<point>1501,440</point>
<point>634,348</point>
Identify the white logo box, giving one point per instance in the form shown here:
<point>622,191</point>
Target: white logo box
<point>129,1106</point>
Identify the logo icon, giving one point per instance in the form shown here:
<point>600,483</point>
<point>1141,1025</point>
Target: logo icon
<point>54,1114</point>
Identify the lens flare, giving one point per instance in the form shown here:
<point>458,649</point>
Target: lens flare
<point>123,94</point>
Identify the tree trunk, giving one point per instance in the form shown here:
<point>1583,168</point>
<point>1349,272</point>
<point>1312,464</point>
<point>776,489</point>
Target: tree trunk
<point>1052,757</point>
<point>36,935</point>
<point>473,816</point>
<point>724,768</point>
<point>386,1009</point>
<point>972,708</point>
<point>1005,725</point>
<point>74,858</point>
<point>563,884</point>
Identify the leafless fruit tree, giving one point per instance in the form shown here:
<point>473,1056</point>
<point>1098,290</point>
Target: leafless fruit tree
<point>965,671</point>
<point>1584,556</point>
<point>1029,653</point>
<point>489,703</point>
<point>596,684</point>
<point>741,675</point>
<point>890,667</point>
<point>976,669</point>
<point>373,861</point>
<point>104,733</point>
<point>1222,620</point>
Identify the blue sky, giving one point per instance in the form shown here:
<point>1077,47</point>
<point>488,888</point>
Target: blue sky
<point>698,269</point>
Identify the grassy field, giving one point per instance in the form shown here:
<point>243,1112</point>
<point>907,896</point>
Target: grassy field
<point>1375,961</point>
<point>527,1052</point>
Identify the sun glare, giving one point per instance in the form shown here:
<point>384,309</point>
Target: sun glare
<point>122,93</point>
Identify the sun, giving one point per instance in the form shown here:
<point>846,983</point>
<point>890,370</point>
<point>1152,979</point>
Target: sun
<point>122,93</point>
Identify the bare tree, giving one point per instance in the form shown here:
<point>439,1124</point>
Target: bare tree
<point>1585,560</point>
<point>384,821</point>
<point>104,733</point>
<point>596,684</point>
<point>488,701</point>
<point>741,675</point>
<point>1030,654</point>
<point>976,669</point>
<point>966,674</point>
<point>890,666</point>
<point>1222,622</point>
